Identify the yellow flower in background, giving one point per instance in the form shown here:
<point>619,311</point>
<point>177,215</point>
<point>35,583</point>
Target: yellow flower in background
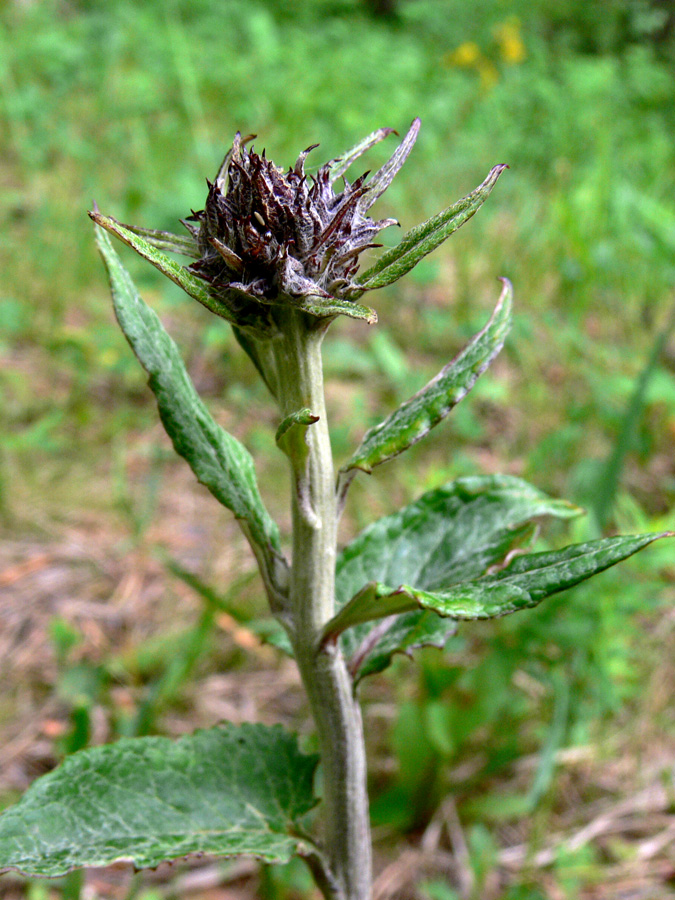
<point>466,56</point>
<point>510,40</point>
<point>469,56</point>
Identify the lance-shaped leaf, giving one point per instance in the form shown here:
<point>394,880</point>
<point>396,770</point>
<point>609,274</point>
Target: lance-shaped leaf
<point>340,164</point>
<point>191,284</point>
<point>424,238</point>
<point>184,244</point>
<point>453,533</point>
<point>418,415</point>
<point>523,583</point>
<point>225,791</point>
<point>220,462</point>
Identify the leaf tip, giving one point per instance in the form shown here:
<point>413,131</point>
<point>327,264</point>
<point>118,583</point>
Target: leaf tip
<point>506,295</point>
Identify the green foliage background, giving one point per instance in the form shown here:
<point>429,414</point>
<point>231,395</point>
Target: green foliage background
<point>134,105</point>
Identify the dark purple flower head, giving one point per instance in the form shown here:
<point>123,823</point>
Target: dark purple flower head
<point>272,237</point>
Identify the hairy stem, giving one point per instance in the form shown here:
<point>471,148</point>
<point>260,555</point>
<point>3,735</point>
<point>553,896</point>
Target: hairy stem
<point>299,381</point>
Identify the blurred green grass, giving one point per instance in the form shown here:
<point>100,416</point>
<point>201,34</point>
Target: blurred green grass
<point>134,105</point>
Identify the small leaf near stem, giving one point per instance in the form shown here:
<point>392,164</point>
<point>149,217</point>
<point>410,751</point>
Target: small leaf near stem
<point>290,436</point>
<point>291,439</point>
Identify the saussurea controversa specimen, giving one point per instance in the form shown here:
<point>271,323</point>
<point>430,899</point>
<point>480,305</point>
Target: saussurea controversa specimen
<point>277,254</point>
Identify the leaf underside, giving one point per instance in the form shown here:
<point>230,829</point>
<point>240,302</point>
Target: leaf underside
<point>451,534</point>
<point>220,462</point>
<point>229,790</point>
<point>417,416</point>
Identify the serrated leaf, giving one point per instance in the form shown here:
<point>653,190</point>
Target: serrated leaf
<point>453,533</point>
<point>522,584</point>
<point>417,416</point>
<point>184,244</point>
<point>340,164</point>
<point>424,238</point>
<point>191,284</point>
<point>225,791</point>
<point>220,462</point>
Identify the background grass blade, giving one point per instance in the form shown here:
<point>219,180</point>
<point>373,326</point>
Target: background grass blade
<point>610,476</point>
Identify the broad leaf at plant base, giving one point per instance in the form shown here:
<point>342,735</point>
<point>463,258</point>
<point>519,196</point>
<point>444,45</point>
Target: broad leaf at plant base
<point>453,533</point>
<point>220,462</point>
<point>229,790</point>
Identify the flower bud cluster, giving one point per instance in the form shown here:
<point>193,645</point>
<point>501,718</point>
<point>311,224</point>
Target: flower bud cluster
<point>267,236</point>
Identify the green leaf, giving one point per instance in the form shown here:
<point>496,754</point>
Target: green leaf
<point>418,415</point>
<point>424,238</point>
<point>524,583</point>
<point>220,462</point>
<point>325,307</point>
<point>225,791</point>
<point>190,283</point>
<point>290,436</point>
<point>451,534</point>
<point>184,244</point>
<point>340,164</point>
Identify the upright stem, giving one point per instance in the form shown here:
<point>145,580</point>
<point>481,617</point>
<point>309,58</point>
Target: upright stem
<point>299,378</point>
